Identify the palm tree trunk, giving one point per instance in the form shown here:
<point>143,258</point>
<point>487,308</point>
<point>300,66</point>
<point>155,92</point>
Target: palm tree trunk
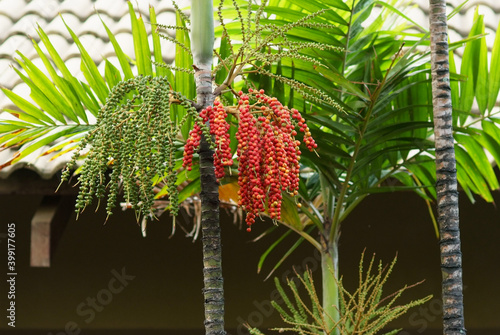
<point>330,266</point>
<point>212,252</point>
<point>202,38</point>
<point>446,174</point>
<point>329,273</point>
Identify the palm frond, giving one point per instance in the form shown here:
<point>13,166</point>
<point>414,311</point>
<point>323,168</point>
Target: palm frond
<point>63,106</point>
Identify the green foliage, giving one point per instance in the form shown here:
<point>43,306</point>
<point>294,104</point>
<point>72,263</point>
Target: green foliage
<point>123,115</point>
<point>380,140</point>
<point>370,98</point>
<point>365,311</point>
<point>64,107</point>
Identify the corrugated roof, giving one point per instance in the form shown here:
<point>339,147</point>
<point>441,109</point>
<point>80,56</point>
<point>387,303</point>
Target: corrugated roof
<point>18,19</point>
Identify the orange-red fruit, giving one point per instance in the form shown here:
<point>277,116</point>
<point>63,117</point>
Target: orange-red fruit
<point>268,153</point>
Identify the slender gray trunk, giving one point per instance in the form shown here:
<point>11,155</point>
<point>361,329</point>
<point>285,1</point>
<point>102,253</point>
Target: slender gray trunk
<point>446,177</point>
<point>202,41</point>
<point>212,252</point>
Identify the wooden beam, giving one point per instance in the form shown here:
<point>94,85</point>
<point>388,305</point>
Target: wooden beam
<point>47,227</point>
<point>40,232</point>
<point>27,182</point>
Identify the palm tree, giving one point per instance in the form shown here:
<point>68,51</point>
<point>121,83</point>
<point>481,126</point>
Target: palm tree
<point>373,122</point>
<point>446,173</point>
<point>371,106</point>
<point>202,39</point>
<point>142,121</point>
<point>63,106</point>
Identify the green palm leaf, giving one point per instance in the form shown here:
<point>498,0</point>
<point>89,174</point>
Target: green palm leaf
<point>377,127</point>
<point>74,82</point>
<point>61,102</point>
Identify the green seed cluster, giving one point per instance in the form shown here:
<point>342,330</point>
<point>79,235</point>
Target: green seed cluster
<point>134,136</point>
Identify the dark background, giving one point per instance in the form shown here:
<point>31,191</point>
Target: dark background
<point>165,296</point>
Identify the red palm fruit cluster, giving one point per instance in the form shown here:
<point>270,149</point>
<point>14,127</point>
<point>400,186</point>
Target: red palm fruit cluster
<point>220,128</point>
<point>216,116</point>
<point>192,143</point>
<point>267,151</point>
<point>308,140</point>
<point>268,154</point>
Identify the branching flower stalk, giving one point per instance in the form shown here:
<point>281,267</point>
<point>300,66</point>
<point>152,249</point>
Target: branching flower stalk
<point>275,39</point>
<point>364,311</point>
